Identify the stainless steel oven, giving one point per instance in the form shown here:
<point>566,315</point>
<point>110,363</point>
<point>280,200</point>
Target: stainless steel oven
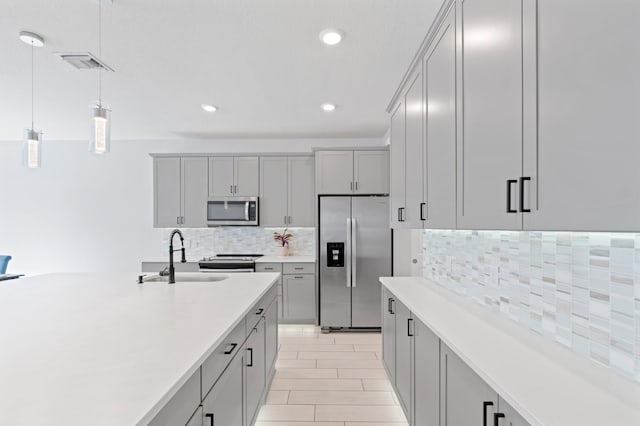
<point>225,211</point>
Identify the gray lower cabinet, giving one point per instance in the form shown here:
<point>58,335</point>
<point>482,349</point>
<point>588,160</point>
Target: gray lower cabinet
<point>434,386</point>
<point>299,295</point>
<point>254,370</point>
<point>271,336</point>
<point>197,419</point>
<point>182,406</point>
<point>403,356</point>
<point>224,405</point>
<point>507,416</point>
<point>389,334</point>
<point>465,398</point>
<point>426,376</point>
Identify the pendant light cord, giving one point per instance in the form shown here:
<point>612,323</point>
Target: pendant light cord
<point>100,52</point>
<point>32,85</point>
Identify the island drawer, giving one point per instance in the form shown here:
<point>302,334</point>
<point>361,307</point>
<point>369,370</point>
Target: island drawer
<point>259,309</point>
<point>213,366</point>
<point>182,405</point>
<point>268,267</point>
<point>299,268</point>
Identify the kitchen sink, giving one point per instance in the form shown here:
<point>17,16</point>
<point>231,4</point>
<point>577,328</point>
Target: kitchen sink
<point>186,277</point>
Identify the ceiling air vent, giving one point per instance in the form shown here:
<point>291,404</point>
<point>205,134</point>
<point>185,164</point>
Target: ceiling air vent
<point>84,61</point>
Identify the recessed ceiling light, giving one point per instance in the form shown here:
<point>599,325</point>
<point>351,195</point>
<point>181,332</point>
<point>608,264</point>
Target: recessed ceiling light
<point>328,107</point>
<point>209,108</point>
<point>331,36</point>
<point>31,39</point>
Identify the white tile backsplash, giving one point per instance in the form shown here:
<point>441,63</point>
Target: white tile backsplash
<point>242,239</point>
<point>581,290</point>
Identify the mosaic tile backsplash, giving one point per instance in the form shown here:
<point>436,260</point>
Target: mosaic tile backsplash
<point>581,290</point>
<point>242,239</point>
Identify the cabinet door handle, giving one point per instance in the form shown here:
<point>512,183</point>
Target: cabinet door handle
<point>289,220</point>
<point>485,405</point>
<point>391,303</point>
<point>235,189</point>
<point>409,322</point>
<point>356,185</point>
<point>509,183</point>
<point>522,181</point>
<point>351,186</point>
<point>399,218</point>
<point>209,416</point>
<point>250,350</point>
<point>422,206</point>
<point>496,418</point>
<point>259,311</point>
<point>230,348</point>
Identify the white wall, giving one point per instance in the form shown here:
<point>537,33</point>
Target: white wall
<point>83,212</point>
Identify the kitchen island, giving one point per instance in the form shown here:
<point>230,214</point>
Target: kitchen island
<point>100,349</point>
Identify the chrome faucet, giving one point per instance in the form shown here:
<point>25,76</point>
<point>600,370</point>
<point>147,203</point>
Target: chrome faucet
<point>172,271</point>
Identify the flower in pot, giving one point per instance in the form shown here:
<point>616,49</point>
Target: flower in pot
<point>283,241</point>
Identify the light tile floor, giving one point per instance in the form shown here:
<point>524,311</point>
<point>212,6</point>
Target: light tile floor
<point>332,379</point>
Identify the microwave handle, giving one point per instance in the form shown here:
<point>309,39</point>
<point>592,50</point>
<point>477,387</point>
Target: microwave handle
<point>246,210</point>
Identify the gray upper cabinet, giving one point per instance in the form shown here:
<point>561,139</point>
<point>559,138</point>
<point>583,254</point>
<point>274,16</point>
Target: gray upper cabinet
<point>221,176</point>
<point>363,171</point>
<point>465,398</point>
<point>180,192</point>
<point>490,105</point>
<point>194,191</point>
<point>440,154</point>
<point>334,172</point>
<point>301,195</point>
<point>287,196</point>
<point>273,191</point>
<point>245,171</point>
<point>414,154</point>
<point>583,162</point>
<point>167,198</point>
<point>398,176</point>
<point>371,172</point>
<point>233,176</point>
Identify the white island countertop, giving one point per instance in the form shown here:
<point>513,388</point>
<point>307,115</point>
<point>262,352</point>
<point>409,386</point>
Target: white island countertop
<point>100,349</point>
<point>546,383</point>
<point>286,259</point>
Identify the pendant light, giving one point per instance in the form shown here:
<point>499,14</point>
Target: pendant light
<point>32,138</point>
<point>100,137</point>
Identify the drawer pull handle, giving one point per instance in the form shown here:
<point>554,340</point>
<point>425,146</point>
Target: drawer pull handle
<point>298,278</point>
<point>230,348</point>
<point>485,405</point>
<point>209,416</point>
<point>250,350</point>
<point>299,269</point>
<point>259,311</point>
<point>496,418</point>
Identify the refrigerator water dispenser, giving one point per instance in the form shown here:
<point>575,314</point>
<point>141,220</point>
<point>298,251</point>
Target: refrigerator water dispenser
<point>335,255</point>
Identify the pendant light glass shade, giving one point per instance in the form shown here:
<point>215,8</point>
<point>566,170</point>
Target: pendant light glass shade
<point>32,152</point>
<point>100,140</point>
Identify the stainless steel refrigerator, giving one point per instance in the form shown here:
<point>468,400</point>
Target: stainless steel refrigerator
<point>355,250</point>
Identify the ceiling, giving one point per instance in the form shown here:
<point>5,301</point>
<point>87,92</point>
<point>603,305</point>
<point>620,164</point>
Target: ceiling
<point>259,61</point>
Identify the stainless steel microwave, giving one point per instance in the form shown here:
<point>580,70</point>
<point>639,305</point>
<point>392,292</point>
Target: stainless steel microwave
<point>230,211</point>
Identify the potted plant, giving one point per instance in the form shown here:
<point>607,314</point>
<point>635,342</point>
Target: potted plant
<point>283,241</point>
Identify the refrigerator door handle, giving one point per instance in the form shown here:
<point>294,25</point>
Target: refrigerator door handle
<point>348,252</point>
<point>354,252</point>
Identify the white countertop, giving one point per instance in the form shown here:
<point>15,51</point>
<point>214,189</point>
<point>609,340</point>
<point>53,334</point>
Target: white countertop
<point>263,259</point>
<point>80,349</point>
<point>286,259</point>
<point>546,383</point>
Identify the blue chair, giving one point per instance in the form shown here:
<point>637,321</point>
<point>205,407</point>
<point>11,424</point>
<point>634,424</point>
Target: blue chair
<point>4,261</point>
